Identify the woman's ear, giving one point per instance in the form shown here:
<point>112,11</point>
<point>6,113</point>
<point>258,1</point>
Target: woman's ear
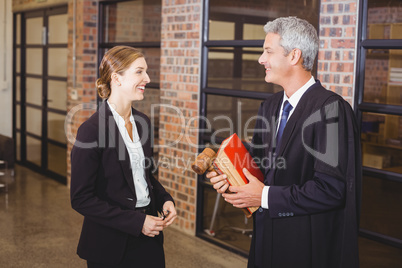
<point>116,79</point>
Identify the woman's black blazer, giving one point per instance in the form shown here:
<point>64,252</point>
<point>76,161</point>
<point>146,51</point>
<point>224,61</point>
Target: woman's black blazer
<point>102,187</point>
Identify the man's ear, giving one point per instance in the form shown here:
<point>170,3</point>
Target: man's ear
<point>296,56</point>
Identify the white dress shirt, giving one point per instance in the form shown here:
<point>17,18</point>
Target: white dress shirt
<point>293,100</point>
<point>137,158</point>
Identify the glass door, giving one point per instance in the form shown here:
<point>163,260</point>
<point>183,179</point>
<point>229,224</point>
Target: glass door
<point>41,90</point>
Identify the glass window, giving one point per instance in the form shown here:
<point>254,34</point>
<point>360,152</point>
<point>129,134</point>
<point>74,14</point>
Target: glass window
<point>237,68</point>
<point>18,116</point>
<point>382,142</point>
<point>18,88</point>
<point>34,61</point>
<point>221,30</point>
<point>378,213</point>
<point>237,81</point>
<point>57,159</point>
<point>378,94</point>
<point>18,60</point>
<point>55,127</point>
<point>34,150</point>
<point>34,91</point>
<point>228,115</point>
<point>34,121</point>
<point>383,76</point>
<point>18,146</point>
<point>57,94</point>
<point>57,61</point>
<point>58,29</point>
<point>34,31</point>
<point>18,29</point>
<point>132,21</point>
<point>225,222</point>
<point>384,19</point>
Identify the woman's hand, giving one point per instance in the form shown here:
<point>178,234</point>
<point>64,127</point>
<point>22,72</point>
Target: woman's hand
<point>152,226</point>
<point>169,212</point>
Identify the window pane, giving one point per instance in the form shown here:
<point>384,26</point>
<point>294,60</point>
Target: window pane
<point>57,94</point>
<point>380,200</point>
<point>34,29</point>
<point>18,146</point>
<point>34,61</point>
<point>18,60</point>
<point>17,88</point>
<point>228,19</point>
<point>383,76</point>
<point>253,31</point>
<point>384,19</point>
<point>372,253</point>
<point>18,29</point>
<point>55,127</point>
<point>57,159</point>
<point>34,91</point>
<point>238,68</point>
<point>34,150</point>
<point>229,224</point>
<point>34,121</point>
<point>132,21</point>
<point>18,116</point>
<point>58,29</point>
<point>57,61</point>
<point>220,30</point>
<point>228,115</point>
<point>381,141</point>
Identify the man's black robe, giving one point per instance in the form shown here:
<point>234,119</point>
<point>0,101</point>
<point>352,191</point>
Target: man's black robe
<point>315,183</point>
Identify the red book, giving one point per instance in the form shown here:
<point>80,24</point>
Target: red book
<point>231,158</point>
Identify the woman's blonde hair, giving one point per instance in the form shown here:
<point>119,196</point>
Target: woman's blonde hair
<point>116,60</point>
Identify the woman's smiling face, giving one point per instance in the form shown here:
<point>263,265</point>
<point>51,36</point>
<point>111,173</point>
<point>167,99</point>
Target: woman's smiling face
<point>134,80</point>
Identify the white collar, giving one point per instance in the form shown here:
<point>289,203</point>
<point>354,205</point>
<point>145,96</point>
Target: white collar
<point>118,118</point>
<point>295,98</point>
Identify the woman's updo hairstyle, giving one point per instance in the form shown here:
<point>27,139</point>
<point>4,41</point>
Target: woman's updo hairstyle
<point>116,60</point>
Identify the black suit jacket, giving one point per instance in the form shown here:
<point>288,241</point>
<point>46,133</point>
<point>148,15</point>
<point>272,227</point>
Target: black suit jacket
<point>102,187</point>
<point>314,178</point>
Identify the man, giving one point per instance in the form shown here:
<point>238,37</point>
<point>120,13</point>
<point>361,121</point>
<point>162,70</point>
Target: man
<point>309,202</point>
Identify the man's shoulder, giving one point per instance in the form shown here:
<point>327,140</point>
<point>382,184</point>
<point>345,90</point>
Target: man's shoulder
<point>320,95</point>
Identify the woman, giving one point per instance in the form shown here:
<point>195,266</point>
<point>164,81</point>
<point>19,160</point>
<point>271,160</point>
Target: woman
<point>111,180</point>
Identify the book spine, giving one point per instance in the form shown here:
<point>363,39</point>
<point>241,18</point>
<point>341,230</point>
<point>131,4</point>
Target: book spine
<point>216,169</point>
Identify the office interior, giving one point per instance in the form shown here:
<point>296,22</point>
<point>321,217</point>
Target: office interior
<point>40,86</point>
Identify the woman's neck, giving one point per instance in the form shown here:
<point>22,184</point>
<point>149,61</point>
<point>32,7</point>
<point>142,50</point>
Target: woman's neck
<point>122,107</point>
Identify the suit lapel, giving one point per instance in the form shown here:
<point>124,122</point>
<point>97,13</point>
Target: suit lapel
<point>142,134</point>
<point>293,120</point>
<point>117,143</point>
<point>271,114</point>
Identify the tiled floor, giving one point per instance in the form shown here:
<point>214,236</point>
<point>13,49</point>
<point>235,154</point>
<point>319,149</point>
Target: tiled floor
<point>38,228</point>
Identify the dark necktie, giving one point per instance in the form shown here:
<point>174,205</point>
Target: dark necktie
<point>287,107</point>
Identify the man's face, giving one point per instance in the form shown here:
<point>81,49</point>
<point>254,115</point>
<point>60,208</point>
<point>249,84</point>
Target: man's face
<point>277,65</point>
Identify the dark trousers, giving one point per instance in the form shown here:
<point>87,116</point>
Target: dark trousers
<point>140,252</point>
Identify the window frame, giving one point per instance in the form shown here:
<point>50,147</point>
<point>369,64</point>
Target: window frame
<point>363,44</point>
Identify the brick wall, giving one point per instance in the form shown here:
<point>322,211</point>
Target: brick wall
<point>336,57</point>
<point>180,67</point>
<point>81,108</point>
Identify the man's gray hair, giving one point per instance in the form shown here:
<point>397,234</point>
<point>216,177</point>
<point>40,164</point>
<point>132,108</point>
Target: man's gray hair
<point>296,33</point>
